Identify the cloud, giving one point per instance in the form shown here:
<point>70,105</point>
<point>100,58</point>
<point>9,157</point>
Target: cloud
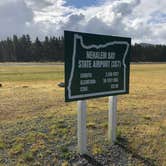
<point>15,11</point>
<point>157,17</point>
<point>108,18</point>
<point>14,17</point>
<point>144,21</point>
<point>74,22</point>
<point>124,7</point>
<point>39,4</point>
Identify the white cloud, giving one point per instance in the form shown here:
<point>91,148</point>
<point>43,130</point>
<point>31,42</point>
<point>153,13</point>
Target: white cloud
<point>39,4</point>
<point>143,20</point>
<point>14,17</point>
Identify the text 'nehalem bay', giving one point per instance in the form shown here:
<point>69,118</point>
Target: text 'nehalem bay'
<point>96,59</point>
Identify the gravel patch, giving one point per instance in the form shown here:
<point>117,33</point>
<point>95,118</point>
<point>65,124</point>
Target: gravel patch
<point>115,155</point>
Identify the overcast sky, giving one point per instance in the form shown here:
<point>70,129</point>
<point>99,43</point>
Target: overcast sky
<point>142,20</point>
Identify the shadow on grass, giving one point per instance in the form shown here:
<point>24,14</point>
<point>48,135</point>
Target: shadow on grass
<point>123,143</point>
<point>85,159</point>
<point>91,160</point>
<point>112,159</point>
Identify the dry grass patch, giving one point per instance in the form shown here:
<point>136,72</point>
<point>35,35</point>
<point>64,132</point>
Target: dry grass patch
<point>37,126</point>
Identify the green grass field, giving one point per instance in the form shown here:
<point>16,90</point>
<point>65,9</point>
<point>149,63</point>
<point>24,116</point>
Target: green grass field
<point>38,128</point>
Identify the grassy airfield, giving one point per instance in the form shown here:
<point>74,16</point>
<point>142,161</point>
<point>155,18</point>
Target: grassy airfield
<point>38,128</point>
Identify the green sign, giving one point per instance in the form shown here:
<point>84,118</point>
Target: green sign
<point>95,65</point>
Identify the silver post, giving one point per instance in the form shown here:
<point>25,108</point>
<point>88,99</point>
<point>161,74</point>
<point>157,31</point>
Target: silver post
<point>81,130</point>
<point>112,108</point>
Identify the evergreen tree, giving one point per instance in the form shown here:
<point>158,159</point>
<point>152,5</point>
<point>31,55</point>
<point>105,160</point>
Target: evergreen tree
<point>37,50</point>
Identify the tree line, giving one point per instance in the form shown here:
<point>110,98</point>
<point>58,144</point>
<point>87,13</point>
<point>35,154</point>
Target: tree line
<point>23,49</point>
<point>148,53</point>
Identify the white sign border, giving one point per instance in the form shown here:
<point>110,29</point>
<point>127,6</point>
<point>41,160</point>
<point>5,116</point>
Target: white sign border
<point>76,37</point>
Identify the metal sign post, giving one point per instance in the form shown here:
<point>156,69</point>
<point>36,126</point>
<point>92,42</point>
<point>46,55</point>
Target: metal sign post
<point>81,130</point>
<point>112,104</point>
<point>95,66</point>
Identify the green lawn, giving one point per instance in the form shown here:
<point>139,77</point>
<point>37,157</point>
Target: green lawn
<point>38,128</point>
<point>32,72</point>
